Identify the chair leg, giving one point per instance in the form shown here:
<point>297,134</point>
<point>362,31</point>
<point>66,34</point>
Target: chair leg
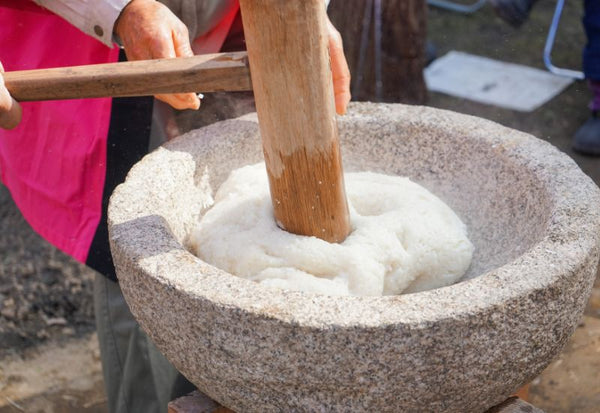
<point>575,74</point>
<point>457,7</point>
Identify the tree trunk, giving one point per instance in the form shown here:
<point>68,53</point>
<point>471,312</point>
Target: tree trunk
<point>402,46</point>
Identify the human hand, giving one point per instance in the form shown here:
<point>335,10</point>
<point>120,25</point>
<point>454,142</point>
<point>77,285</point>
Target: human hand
<point>149,30</point>
<point>10,110</point>
<point>339,69</point>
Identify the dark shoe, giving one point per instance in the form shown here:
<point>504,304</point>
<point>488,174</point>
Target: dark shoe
<point>514,12</point>
<point>587,138</point>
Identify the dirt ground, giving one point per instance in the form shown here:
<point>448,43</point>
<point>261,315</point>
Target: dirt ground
<point>49,354</point>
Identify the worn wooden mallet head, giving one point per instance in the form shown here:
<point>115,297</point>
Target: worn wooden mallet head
<point>291,76</point>
<point>292,82</point>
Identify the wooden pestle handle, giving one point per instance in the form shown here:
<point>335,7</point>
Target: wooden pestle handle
<point>288,51</point>
<point>203,73</point>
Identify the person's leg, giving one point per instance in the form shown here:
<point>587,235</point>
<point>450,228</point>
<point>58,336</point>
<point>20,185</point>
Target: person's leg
<point>121,349</point>
<point>591,52</point>
<point>169,383</point>
<point>137,377</point>
<point>587,138</point>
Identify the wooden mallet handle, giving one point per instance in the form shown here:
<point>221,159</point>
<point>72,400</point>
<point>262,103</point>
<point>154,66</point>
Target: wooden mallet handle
<point>291,76</point>
<point>203,73</point>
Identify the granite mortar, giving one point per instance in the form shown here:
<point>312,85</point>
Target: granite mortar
<point>532,215</point>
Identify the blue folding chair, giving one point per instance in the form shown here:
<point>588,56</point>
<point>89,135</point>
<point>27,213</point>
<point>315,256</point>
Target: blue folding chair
<point>457,7</point>
<point>575,74</point>
<point>550,39</point>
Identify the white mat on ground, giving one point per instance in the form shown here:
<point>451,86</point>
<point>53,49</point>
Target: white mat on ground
<point>484,80</point>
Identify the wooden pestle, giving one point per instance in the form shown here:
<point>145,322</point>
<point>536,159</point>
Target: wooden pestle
<point>291,76</point>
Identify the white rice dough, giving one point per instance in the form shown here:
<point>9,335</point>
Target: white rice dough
<point>404,239</point>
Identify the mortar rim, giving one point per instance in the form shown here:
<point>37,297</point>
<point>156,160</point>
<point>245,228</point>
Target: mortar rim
<point>493,288</point>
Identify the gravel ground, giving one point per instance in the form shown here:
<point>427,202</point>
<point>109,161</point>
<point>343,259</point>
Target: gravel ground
<point>44,294</point>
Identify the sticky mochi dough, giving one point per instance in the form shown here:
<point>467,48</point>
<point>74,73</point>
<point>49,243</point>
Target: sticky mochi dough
<point>403,239</point>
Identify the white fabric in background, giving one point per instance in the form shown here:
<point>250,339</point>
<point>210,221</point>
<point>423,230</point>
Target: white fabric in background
<point>493,82</point>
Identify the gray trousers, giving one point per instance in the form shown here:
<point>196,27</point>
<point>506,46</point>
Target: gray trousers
<point>137,377</point>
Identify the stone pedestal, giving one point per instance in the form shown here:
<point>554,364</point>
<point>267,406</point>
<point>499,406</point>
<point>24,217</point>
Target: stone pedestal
<point>197,402</point>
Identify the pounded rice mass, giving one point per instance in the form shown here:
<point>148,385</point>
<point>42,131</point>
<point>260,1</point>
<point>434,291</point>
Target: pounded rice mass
<point>403,239</point>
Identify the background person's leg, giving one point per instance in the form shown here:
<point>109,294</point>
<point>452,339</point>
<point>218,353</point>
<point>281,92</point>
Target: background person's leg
<point>587,138</point>
<point>591,52</point>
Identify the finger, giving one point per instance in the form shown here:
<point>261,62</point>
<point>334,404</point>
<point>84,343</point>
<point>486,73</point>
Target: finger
<point>164,47</point>
<point>11,118</point>
<point>339,71</point>
<point>341,102</point>
<point>10,110</point>
<point>181,101</point>
<point>181,41</point>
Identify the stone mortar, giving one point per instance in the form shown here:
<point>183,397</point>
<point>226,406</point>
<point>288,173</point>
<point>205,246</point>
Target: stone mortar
<point>532,215</point>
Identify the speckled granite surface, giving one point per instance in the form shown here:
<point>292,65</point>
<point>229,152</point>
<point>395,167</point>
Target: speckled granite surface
<point>533,216</point>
